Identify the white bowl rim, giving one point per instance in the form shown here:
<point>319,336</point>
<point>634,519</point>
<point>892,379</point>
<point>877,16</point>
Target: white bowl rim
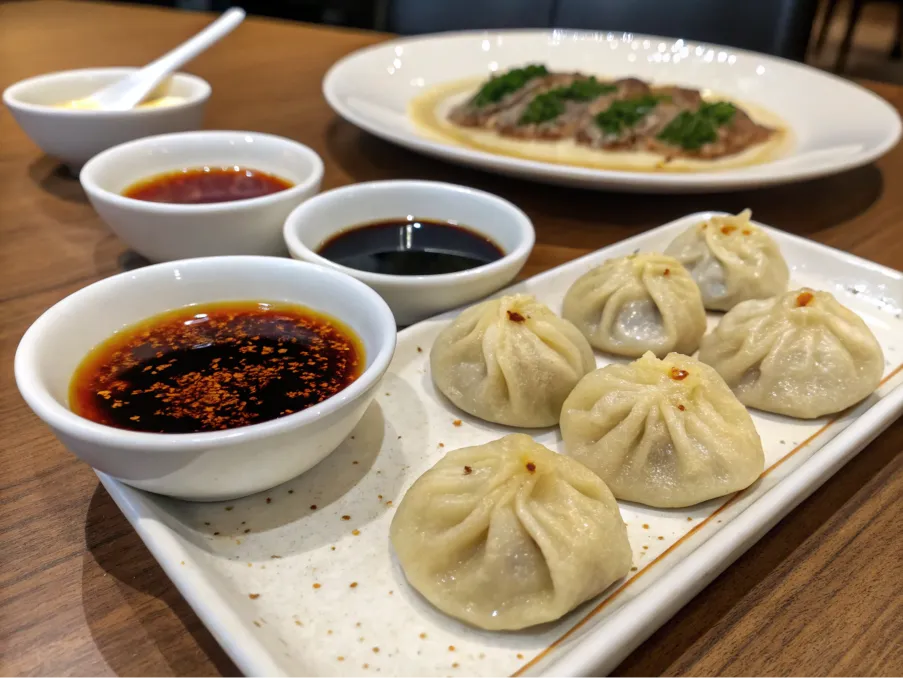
<point>58,416</point>
<point>527,234</point>
<point>301,188</point>
<point>201,93</point>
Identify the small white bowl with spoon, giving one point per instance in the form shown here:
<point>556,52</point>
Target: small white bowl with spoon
<point>74,115</point>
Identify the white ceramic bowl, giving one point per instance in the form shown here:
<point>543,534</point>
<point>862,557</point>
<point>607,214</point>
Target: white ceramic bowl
<point>74,136</point>
<point>164,232</point>
<point>201,466</point>
<point>413,298</point>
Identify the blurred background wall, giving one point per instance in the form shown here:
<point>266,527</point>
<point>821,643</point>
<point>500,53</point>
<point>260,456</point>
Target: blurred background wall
<point>856,38</point>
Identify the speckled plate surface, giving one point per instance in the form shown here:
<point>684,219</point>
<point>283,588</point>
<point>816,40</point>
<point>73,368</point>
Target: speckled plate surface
<point>301,579</point>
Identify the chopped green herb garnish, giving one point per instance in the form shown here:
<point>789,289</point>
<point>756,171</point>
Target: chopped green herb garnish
<point>627,113</point>
<point>691,130</point>
<point>500,86</point>
<point>720,112</point>
<point>587,90</point>
<point>546,106</point>
<point>549,105</point>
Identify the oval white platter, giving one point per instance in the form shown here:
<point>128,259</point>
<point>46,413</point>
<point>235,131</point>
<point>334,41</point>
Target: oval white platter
<point>301,580</point>
<point>836,125</point>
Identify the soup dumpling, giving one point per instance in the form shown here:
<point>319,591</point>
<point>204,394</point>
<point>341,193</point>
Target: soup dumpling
<point>510,361</point>
<point>802,354</point>
<point>638,303</point>
<point>509,534</point>
<point>665,433</point>
<point>732,260</point>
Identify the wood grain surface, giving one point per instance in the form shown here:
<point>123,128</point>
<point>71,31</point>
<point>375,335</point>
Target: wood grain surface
<point>80,594</point>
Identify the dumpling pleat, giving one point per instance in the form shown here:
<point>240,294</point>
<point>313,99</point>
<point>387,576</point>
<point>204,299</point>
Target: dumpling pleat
<point>518,369</point>
<point>638,303</point>
<point>802,354</point>
<point>543,535</point>
<point>732,259</point>
<point>676,436</point>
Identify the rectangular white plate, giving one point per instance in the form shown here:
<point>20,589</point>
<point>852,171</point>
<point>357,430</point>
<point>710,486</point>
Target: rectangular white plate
<point>289,589</point>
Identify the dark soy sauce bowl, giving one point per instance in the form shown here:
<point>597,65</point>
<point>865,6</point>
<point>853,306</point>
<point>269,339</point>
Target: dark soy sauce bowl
<point>415,295</point>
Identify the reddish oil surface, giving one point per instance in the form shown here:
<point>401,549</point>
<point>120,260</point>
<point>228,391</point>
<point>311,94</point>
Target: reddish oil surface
<point>199,185</point>
<point>214,367</point>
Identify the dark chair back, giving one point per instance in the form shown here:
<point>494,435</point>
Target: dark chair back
<point>410,17</point>
<point>779,27</point>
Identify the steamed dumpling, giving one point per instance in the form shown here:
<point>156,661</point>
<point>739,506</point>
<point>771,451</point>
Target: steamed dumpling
<point>510,361</point>
<point>509,534</point>
<point>731,260</point>
<point>665,433</point>
<point>638,303</point>
<point>802,354</point>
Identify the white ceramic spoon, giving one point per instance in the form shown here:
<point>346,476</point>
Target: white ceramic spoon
<point>131,90</point>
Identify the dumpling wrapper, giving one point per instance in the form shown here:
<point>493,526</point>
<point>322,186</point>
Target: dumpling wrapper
<point>666,433</point>
<point>509,534</point>
<point>638,303</point>
<point>732,260</point>
<point>510,361</point>
<point>802,354</point>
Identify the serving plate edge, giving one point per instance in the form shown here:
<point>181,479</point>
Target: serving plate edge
<point>571,175</point>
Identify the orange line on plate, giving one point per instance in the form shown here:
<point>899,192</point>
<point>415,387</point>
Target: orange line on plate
<point>891,375</point>
<point>803,444</point>
<point>601,606</point>
<point>596,610</point>
<point>808,440</point>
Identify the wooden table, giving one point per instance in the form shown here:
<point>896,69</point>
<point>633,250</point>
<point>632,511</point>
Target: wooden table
<point>80,594</point>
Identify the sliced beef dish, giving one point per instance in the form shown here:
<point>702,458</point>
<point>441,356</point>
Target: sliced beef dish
<point>497,95</point>
<point>556,111</point>
<point>621,115</point>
